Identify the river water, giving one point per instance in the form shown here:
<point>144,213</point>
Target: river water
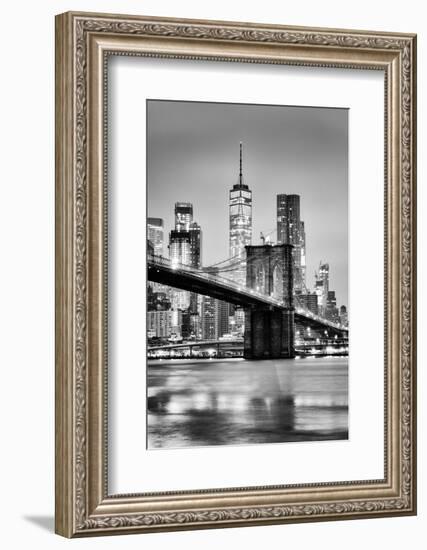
<point>235,402</point>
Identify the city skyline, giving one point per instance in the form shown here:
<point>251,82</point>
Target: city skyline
<point>230,290</point>
<point>325,242</point>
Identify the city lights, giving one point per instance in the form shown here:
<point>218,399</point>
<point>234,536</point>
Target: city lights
<point>208,304</point>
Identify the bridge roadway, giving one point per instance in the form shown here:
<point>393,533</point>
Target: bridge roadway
<point>198,343</point>
<point>222,347</point>
<point>164,271</point>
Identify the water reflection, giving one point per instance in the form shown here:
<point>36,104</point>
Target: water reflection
<point>233,401</point>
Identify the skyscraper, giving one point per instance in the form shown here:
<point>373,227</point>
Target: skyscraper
<point>214,315</point>
<point>214,318</point>
<point>195,233</point>
<point>180,250</point>
<point>322,287</point>
<point>290,230</point>
<point>240,211</point>
<point>155,239</point>
<point>344,316</point>
<point>185,243</point>
<point>303,255</point>
<point>155,234</point>
<point>209,318</point>
<point>309,301</point>
<point>332,312</point>
<point>179,247</point>
<point>159,324</point>
<point>195,245</point>
<point>183,215</point>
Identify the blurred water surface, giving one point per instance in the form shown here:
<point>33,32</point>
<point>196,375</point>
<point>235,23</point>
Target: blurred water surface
<point>232,401</point>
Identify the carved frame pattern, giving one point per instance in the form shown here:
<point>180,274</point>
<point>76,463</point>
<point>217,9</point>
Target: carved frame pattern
<point>81,510</point>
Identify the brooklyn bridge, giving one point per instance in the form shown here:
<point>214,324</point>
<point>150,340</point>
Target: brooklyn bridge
<point>273,314</point>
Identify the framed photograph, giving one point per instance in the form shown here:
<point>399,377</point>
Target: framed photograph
<point>235,274</point>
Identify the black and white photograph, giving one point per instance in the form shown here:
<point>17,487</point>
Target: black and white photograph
<point>247,274</point>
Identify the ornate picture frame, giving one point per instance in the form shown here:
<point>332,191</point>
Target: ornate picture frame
<point>84,42</point>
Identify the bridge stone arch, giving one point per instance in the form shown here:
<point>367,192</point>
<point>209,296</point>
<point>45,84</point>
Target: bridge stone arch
<point>270,331</point>
<point>260,283</point>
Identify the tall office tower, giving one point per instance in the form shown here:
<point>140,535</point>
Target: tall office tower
<point>183,215</point>
<point>216,312</point>
<point>195,233</point>
<point>180,253</point>
<point>195,321</point>
<point>159,324</point>
<point>195,245</point>
<point>309,301</point>
<point>155,238</point>
<point>331,307</point>
<point>223,318</point>
<point>179,247</point>
<point>344,316</point>
<point>155,234</point>
<point>185,243</point>
<point>303,255</point>
<point>176,322</point>
<point>240,212</point>
<point>209,318</point>
<point>290,230</point>
<point>214,318</point>
<point>322,287</point>
<point>240,236</point>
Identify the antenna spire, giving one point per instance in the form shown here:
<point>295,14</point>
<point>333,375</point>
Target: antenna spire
<point>239,183</point>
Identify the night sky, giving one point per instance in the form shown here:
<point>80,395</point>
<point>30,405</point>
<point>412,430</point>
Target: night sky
<point>193,156</point>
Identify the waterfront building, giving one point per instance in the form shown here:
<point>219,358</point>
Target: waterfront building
<point>159,324</point>
<point>214,318</point>
<point>157,300</point>
<point>176,323</point>
<point>209,318</point>
<point>223,318</point>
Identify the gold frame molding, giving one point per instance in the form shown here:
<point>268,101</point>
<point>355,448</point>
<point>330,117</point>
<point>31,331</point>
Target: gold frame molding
<point>83,43</point>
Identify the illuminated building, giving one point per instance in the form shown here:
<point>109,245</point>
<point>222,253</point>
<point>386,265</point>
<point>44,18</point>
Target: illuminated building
<point>290,230</point>
<point>240,215</point>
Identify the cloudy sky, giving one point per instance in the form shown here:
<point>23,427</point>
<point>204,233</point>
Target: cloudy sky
<point>193,156</point>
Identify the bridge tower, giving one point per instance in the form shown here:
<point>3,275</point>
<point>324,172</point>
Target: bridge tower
<point>269,331</point>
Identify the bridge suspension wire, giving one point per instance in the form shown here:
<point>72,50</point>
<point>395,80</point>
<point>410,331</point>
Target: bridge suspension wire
<point>238,257</point>
<point>232,259</point>
<point>268,298</point>
<point>230,265</point>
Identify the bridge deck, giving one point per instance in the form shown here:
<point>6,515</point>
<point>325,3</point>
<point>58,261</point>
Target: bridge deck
<point>161,270</point>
